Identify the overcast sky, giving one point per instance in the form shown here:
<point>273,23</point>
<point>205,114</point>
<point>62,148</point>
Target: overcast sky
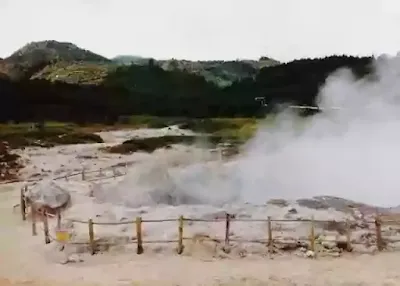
<point>206,29</point>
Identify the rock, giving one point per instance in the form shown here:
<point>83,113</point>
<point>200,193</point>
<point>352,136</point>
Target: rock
<point>244,216</point>
<point>332,254</point>
<point>278,202</point>
<point>292,211</point>
<point>312,204</point>
<point>338,226</point>
<point>9,163</point>
<point>217,216</point>
<point>48,194</point>
<point>303,249</point>
<point>328,244</point>
<point>310,254</point>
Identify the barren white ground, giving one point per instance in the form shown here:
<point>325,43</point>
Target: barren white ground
<point>27,259</point>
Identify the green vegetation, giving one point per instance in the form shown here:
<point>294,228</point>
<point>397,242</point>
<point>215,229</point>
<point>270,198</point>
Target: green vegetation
<point>151,144</point>
<point>35,56</point>
<point>214,130</point>
<point>225,127</point>
<point>222,73</point>
<point>22,135</point>
<point>211,132</point>
<point>75,73</point>
<point>52,81</point>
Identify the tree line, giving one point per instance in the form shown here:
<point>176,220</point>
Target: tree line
<point>150,90</point>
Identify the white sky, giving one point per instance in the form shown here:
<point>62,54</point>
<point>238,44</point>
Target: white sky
<point>206,29</point>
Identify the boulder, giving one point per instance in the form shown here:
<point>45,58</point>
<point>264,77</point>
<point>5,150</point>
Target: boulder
<point>48,194</point>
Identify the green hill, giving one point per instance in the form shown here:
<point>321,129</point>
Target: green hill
<point>129,60</point>
<point>75,72</point>
<point>35,56</point>
<point>222,73</point>
<point>66,62</point>
<point>61,82</point>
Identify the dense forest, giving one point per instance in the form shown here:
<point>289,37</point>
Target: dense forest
<point>152,90</point>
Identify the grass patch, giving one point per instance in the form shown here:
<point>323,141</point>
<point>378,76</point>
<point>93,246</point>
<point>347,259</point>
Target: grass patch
<point>147,121</point>
<point>54,133</point>
<point>75,73</point>
<point>231,127</point>
<point>151,144</point>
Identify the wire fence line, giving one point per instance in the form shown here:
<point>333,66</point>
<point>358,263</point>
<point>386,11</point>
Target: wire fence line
<point>63,236</point>
<point>83,174</point>
<point>217,220</point>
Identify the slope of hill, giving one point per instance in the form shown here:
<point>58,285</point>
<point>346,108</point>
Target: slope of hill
<point>222,73</point>
<point>60,82</point>
<point>34,56</point>
<point>75,72</point>
<point>130,60</point>
<point>66,62</point>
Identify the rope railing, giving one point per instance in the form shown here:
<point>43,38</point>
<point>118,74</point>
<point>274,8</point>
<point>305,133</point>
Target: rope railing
<point>83,173</point>
<point>218,220</point>
<point>24,204</point>
<point>64,236</point>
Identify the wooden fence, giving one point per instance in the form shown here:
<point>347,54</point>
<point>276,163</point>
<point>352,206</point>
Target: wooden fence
<point>269,241</point>
<point>63,236</point>
<point>84,175</point>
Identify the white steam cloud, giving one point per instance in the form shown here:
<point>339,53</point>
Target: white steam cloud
<point>352,153</point>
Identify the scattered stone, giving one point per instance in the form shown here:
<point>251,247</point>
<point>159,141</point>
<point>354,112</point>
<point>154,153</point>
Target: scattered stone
<point>310,254</point>
<point>303,249</point>
<point>10,163</point>
<point>313,204</point>
<point>329,244</point>
<point>338,226</point>
<point>278,202</point>
<point>243,216</point>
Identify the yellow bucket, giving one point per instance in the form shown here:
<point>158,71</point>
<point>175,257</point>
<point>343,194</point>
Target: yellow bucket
<point>62,235</point>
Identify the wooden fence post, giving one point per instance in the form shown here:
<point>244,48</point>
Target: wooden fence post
<point>58,219</point>
<point>114,171</point>
<point>348,236</point>
<point>312,235</point>
<point>22,204</point>
<point>379,241</point>
<point>33,213</point>
<point>83,175</point>
<point>227,231</point>
<point>91,237</point>
<point>180,235</point>
<point>270,242</point>
<point>46,227</point>
<point>139,235</point>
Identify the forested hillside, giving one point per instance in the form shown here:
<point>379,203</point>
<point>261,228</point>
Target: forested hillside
<point>70,85</point>
<point>222,73</point>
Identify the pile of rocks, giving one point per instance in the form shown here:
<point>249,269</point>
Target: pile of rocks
<point>9,163</point>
